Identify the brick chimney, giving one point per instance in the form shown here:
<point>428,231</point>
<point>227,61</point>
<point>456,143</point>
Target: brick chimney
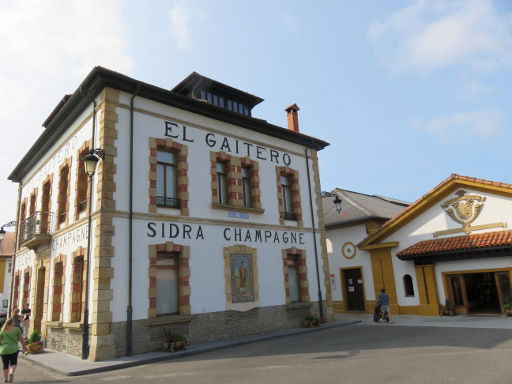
<point>293,117</point>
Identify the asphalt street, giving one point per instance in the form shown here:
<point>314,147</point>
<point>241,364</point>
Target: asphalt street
<point>387,353</point>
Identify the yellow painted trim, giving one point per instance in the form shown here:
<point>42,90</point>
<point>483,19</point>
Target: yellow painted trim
<point>3,267</point>
<point>408,309</point>
<point>429,200</point>
<point>344,289</point>
<point>392,244</point>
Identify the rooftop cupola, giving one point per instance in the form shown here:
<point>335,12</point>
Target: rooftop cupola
<point>213,92</point>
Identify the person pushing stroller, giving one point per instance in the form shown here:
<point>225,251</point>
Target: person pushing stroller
<point>382,312</point>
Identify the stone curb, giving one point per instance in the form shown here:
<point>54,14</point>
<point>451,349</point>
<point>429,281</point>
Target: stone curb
<point>120,363</point>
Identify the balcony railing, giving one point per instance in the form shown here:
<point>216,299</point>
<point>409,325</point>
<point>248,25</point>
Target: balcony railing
<point>39,225</point>
<point>169,202</point>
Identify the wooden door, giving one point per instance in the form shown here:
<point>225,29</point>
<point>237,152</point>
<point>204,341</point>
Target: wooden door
<point>354,289</point>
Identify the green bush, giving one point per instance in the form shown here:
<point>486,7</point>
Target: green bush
<point>34,337</point>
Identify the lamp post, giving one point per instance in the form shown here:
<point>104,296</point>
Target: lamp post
<point>337,201</point>
<point>90,161</point>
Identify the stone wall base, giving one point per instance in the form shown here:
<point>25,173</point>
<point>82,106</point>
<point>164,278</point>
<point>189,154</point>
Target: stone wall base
<point>213,326</point>
<point>66,340</point>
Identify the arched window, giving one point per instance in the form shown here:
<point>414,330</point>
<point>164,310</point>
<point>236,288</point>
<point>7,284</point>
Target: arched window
<point>408,287</point>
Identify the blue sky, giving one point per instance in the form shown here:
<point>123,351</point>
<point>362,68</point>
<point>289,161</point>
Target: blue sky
<point>406,92</point>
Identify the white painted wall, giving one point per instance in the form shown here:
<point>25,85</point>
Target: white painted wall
<point>206,256</point>
<point>337,237</point>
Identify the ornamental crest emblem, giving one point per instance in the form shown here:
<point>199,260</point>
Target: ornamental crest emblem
<point>464,209</point>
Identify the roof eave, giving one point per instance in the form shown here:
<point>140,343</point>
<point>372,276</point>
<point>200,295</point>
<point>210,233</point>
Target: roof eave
<point>100,78</point>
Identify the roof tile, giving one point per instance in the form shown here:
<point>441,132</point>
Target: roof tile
<point>458,243</point>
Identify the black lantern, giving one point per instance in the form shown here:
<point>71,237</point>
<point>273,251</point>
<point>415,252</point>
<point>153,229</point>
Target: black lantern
<point>337,200</point>
<point>91,159</point>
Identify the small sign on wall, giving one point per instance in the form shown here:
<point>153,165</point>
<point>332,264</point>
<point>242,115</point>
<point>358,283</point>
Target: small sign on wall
<point>238,215</point>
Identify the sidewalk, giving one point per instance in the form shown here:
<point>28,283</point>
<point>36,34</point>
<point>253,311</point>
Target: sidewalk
<point>69,365</point>
<point>459,321</point>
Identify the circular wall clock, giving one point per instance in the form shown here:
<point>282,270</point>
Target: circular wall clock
<point>348,250</point>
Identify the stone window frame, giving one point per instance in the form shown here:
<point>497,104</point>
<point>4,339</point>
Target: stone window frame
<point>81,180</point>
<point>63,196</point>
<point>181,151</point>
<point>302,274</point>
<point>17,285</point>
<point>23,213</point>
<point>57,312</point>
<point>27,282</point>
<point>240,249</point>
<point>48,197</point>
<point>78,288</point>
<point>235,191</point>
<point>183,252</point>
<point>295,189</point>
<point>32,209</point>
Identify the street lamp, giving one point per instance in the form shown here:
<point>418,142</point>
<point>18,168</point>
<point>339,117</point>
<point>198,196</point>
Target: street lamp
<point>337,201</point>
<point>2,230</point>
<point>90,161</point>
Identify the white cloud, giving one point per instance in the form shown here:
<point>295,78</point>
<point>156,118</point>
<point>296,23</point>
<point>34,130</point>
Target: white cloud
<point>430,35</point>
<point>179,25</point>
<point>481,124</point>
<point>48,47</point>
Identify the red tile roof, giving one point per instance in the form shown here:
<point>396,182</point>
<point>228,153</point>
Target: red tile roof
<point>459,243</point>
<point>7,244</point>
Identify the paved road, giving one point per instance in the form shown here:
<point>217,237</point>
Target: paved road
<point>352,354</point>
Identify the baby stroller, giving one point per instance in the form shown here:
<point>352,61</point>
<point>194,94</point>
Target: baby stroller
<point>377,314</point>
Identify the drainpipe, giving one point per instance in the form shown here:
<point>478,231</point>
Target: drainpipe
<point>85,334</point>
<point>13,264</point>
<point>129,309</point>
<point>320,300</point>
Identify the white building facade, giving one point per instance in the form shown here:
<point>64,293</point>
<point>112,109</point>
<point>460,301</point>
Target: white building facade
<point>204,220</point>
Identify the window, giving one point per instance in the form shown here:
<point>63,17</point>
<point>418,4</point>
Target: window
<point>58,288</point>
<point>408,287</point>
<point>23,211</point>
<point>246,186</point>
<point>230,105</point>
<point>222,185</point>
<point>77,288</point>
<point>167,288</point>
<point>168,175</point>
<point>166,191</point>
<point>203,94</point>
<point>288,195</point>
<point>169,277</point>
<point>26,287</point>
<point>221,101</point>
<point>62,201</point>
<point>82,182</point>
<point>216,99</point>
<point>295,271</point>
<point>45,206</point>
<point>235,106</point>
<point>32,207</point>
<point>293,277</point>
<point>287,198</point>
